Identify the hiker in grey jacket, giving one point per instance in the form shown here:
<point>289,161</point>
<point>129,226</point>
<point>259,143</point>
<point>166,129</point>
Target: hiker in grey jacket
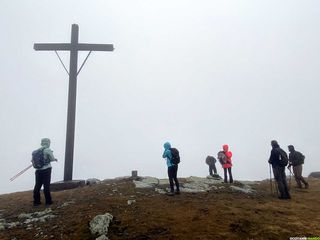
<point>43,174</point>
<point>296,159</point>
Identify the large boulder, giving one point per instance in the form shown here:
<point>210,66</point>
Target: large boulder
<point>315,174</point>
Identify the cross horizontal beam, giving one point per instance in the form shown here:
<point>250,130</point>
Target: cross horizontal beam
<point>69,46</point>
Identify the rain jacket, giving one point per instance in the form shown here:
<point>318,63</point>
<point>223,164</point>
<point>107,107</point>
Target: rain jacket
<point>167,153</point>
<point>47,153</point>
<point>274,159</point>
<point>228,154</point>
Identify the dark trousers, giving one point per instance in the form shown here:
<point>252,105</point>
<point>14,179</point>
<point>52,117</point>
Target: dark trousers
<point>226,175</point>
<point>281,179</point>
<point>212,168</point>
<point>172,173</point>
<point>297,171</point>
<point>43,177</point>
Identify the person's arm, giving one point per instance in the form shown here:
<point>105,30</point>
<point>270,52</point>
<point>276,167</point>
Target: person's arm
<point>49,153</point>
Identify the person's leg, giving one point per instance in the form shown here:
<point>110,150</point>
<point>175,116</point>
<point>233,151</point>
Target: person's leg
<point>296,176</point>
<point>225,175</point>
<point>230,175</point>
<point>37,187</point>
<point>214,168</point>
<point>175,172</point>
<point>284,182</point>
<point>46,185</point>
<point>170,175</point>
<point>278,178</point>
<point>210,170</point>
<point>299,173</point>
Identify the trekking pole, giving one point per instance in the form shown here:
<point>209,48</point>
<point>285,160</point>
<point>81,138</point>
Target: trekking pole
<point>270,179</point>
<point>290,177</point>
<point>20,173</point>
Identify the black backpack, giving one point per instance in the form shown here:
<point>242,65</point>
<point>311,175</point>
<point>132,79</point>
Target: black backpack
<point>38,160</point>
<point>283,158</point>
<point>301,158</point>
<point>175,156</point>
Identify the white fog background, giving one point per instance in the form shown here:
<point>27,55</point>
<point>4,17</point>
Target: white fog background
<point>198,74</point>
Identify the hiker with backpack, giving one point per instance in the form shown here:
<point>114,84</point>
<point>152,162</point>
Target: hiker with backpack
<point>173,159</point>
<point>41,159</point>
<point>296,159</point>
<point>211,162</point>
<point>226,162</point>
<point>279,160</point>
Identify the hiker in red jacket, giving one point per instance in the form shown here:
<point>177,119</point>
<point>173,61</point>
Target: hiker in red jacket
<point>228,164</point>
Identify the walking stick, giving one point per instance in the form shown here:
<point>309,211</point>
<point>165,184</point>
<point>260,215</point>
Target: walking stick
<point>20,173</point>
<point>290,177</point>
<point>270,179</point>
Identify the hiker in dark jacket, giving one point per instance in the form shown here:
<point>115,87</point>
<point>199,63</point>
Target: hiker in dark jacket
<point>43,174</point>
<point>296,159</point>
<point>211,161</point>
<point>172,169</point>
<point>279,170</point>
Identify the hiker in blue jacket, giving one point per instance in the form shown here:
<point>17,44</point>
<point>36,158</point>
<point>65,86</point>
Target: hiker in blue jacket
<point>172,169</point>
<point>43,174</point>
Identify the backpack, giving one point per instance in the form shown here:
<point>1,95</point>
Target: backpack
<point>211,160</point>
<point>175,156</point>
<point>222,157</point>
<point>283,158</point>
<point>301,158</point>
<point>38,160</point>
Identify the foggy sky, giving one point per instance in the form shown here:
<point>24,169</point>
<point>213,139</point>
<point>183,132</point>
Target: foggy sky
<point>198,74</point>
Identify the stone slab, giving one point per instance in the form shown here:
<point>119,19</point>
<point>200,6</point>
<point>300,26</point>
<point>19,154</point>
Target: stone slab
<point>65,185</point>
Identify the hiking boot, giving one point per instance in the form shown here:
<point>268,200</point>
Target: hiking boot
<point>177,192</point>
<point>36,204</point>
<point>49,203</point>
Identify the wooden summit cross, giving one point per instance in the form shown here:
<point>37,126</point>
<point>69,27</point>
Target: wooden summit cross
<point>74,47</point>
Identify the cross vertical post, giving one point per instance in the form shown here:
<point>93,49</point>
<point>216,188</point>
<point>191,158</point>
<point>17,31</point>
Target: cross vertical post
<point>72,97</point>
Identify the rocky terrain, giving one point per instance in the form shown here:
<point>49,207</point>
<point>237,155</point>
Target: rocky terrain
<point>124,208</point>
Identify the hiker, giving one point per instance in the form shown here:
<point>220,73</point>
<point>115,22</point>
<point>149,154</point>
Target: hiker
<point>211,161</point>
<point>225,160</point>
<point>278,159</point>
<point>296,159</point>
<point>41,159</point>
<point>170,154</point>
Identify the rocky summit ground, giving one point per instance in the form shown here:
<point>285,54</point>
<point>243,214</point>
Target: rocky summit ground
<point>205,209</point>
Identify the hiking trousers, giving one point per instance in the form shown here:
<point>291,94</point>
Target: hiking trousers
<point>43,177</point>
<point>212,168</point>
<point>297,171</point>
<point>227,170</point>
<point>281,179</point>
<point>172,173</point>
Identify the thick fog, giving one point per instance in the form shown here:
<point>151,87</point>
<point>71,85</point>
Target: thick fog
<point>198,74</point>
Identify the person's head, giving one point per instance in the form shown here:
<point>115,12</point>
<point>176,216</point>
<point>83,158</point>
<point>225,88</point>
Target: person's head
<point>291,148</point>
<point>167,145</point>
<point>45,142</point>
<point>225,148</point>
<point>274,144</point>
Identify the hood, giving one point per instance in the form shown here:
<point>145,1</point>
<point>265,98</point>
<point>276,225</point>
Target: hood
<point>167,145</point>
<point>291,148</point>
<point>274,144</point>
<point>45,142</point>
<point>225,148</point>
